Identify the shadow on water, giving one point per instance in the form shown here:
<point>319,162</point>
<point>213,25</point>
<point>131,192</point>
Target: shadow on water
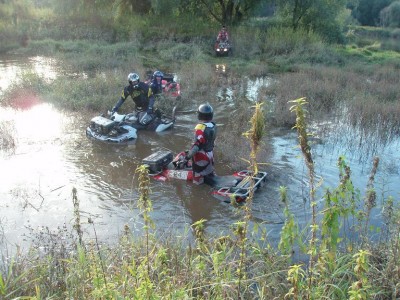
<point>50,160</point>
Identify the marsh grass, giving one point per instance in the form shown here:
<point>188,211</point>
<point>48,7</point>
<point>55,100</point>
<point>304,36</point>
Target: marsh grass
<point>86,56</point>
<point>291,42</point>
<point>353,96</point>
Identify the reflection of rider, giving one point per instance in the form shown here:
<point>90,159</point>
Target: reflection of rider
<point>156,82</point>
<point>223,35</point>
<point>201,151</point>
<point>140,92</point>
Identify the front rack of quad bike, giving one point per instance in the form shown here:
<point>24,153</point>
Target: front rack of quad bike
<point>246,183</point>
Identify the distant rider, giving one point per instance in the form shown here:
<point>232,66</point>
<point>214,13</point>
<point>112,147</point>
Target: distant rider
<point>223,35</point>
<point>140,92</point>
<point>156,82</point>
<point>201,151</point>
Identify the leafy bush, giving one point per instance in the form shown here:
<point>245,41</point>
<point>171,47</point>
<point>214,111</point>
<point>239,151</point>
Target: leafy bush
<point>283,40</point>
<point>390,15</point>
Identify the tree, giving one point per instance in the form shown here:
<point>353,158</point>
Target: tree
<point>228,11</point>
<point>367,11</point>
<point>133,6</point>
<point>320,16</point>
<point>390,15</point>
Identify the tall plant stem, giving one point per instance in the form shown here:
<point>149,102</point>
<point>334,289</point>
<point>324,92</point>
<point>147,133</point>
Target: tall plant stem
<point>254,135</point>
<point>301,127</point>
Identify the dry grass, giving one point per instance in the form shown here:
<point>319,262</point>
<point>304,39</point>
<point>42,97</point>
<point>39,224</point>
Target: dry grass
<point>331,90</point>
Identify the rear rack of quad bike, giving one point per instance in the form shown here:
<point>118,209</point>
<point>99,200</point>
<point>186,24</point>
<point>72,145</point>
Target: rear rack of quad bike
<point>246,184</point>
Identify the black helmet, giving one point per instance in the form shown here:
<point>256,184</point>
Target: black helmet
<point>158,74</point>
<point>205,112</point>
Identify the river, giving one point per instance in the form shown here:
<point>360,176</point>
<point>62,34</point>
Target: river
<point>53,155</point>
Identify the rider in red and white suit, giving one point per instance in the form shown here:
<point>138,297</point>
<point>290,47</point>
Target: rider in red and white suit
<point>223,35</point>
<point>201,151</point>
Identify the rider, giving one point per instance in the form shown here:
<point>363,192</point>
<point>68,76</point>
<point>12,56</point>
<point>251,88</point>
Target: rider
<point>223,35</point>
<point>140,92</point>
<point>156,82</point>
<point>201,151</point>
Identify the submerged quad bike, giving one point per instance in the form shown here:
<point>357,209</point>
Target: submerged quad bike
<point>238,186</point>
<point>116,128</point>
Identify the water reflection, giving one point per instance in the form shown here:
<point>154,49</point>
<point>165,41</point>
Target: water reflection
<point>254,86</point>
<point>220,68</point>
<point>249,88</point>
<point>12,69</point>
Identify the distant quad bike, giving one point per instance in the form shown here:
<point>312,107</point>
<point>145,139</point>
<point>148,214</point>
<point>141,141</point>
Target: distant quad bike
<point>222,48</point>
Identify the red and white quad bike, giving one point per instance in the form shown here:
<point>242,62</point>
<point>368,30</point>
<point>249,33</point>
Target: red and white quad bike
<point>238,186</point>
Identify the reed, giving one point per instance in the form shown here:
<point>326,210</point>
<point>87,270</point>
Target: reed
<point>77,224</point>
<point>290,230</point>
<point>145,205</point>
<point>301,126</point>
<point>254,135</point>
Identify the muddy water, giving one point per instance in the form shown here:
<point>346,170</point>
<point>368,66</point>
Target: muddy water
<point>53,156</point>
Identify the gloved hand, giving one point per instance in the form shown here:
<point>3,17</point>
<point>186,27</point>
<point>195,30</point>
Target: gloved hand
<point>189,153</point>
<point>187,157</point>
<point>111,112</point>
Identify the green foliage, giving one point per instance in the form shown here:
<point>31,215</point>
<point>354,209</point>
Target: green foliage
<point>290,230</point>
<point>283,41</point>
<point>390,15</point>
<point>228,12</point>
<point>367,11</point>
<point>199,230</point>
<point>320,16</point>
<point>165,8</point>
<point>181,51</point>
<point>296,277</point>
<point>360,289</point>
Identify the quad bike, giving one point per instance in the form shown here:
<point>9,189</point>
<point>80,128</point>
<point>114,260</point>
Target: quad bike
<point>171,88</point>
<point>222,48</point>
<point>163,166</point>
<point>117,128</point>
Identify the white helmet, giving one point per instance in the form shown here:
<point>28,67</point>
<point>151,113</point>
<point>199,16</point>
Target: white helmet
<point>133,77</point>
